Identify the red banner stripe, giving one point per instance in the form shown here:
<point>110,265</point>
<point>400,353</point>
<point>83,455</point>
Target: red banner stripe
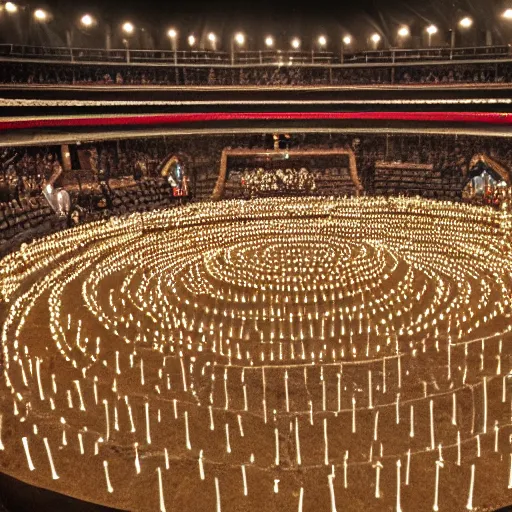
<point>159,119</point>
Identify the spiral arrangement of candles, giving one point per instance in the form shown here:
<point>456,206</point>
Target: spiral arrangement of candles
<point>286,354</point>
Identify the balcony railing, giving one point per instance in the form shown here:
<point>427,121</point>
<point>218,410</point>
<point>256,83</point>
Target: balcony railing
<point>253,58</point>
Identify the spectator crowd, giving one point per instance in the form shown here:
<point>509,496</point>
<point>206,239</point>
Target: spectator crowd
<point>283,75</point>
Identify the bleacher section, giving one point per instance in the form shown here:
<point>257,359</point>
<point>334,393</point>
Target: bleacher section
<point>416,179</point>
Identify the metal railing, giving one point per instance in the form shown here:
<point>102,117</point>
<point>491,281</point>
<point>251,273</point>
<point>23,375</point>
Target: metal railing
<point>274,57</point>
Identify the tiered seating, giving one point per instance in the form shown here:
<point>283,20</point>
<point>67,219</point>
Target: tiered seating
<point>205,183</point>
<point>333,182</point>
<point>21,222</point>
<point>415,179</point>
<point>144,196</point>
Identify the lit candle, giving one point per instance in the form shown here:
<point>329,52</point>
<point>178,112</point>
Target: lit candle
<point>161,490</point>
<point>469,504</point>
<point>110,489</point>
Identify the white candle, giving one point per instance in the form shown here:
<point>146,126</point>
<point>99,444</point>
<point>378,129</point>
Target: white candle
<point>187,436</point>
<point>240,425</point>
<point>175,406</point>
<point>228,445</point>
<point>458,448</point>
<point>148,427</point>
<point>183,374</point>
<point>161,490</point>
<point>345,470</point>
<point>469,504</point>
<point>384,375</point>
<point>1,444</point>
<point>432,439</point>
<point>324,396</point>
<point>107,420</point>
<point>38,373</point>
<point>246,407</point>
<point>24,440</point>
<point>297,441</point>
<point>454,409</point>
<point>142,372</point>
<point>510,474</point>
<point>286,391</point>
<point>217,494</point>
<point>378,467</point>
<point>212,426</point>
<point>55,476</point>
<point>95,388</point>
<point>301,498</point>
<point>353,414</point>
<point>439,465</point>
<point>411,430</point>
<point>81,443</point>
<point>485,405</point>
<point>496,434</point>
<point>398,466</point>
<point>375,425</point>
<point>244,478</point>
<point>478,451</point>
<point>339,392</point>
<point>226,396</point>
<point>311,412</point>
<point>276,435</point>
<point>504,390</point>
<point>201,467</point>
<point>264,394</point>
<point>79,391</point>
<point>408,467</point>
<point>331,491</point>
<point>397,412</point>
<point>137,462</point>
<point>110,489</point>
<point>326,445</point>
<point>370,390</point>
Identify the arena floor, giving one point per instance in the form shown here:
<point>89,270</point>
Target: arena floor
<point>277,355</point>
